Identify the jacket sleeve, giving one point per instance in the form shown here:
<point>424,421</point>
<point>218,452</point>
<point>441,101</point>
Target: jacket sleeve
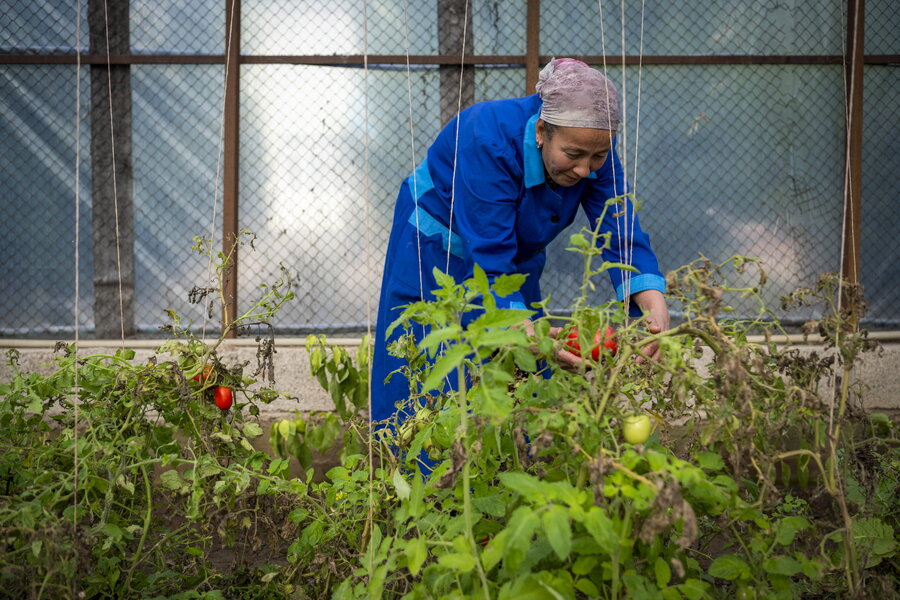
<point>628,242</point>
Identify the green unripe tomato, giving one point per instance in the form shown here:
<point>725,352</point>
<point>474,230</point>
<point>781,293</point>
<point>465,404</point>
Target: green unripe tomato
<point>406,431</point>
<point>745,592</point>
<point>636,428</point>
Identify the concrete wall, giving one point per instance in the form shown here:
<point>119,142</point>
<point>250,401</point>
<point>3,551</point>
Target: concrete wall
<point>877,370</point>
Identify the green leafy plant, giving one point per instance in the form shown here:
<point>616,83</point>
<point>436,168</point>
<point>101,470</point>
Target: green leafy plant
<point>123,478</point>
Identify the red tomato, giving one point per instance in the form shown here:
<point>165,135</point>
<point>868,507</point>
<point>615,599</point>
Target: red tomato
<point>606,339</point>
<point>609,341</point>
<point>572,343</point>
<point>223,397</point>
<point>205,374</point>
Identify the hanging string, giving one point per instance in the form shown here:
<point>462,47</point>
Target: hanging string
<point>624,212</point>
<point>626,250</point>
<point>112,136</point>
<point>462,56</point>
<point>370,517</point>
<point>412,152</point>
<point>219,152</point>
<point>76,373</point>
<point>637,131</point>
<point>848,192</point>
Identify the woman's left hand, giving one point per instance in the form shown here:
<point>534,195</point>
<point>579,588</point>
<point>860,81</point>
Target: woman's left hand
<point>656,315</point>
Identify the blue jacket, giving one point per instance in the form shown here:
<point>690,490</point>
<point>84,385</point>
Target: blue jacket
<point>501,215</point>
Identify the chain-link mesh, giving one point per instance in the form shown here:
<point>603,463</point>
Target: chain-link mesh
<point>41,27</point>
<point>879,255</point>
<point>37,170</point>
<point>195,27</point>
<point>732,27</point>
<point>882,24</point>
<point>725,158</point>
<point>177,153</point>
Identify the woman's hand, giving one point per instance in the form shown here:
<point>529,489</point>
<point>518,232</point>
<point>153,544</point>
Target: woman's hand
<point>656,315</point>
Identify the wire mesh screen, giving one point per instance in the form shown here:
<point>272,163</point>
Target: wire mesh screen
<point>725,158</point>
<point>39,146</point>
<point>177,155</point>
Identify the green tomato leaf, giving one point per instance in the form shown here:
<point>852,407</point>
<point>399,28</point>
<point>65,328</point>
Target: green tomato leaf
<point>400,484</point>
<point>710,461</point>
<point>172,480</point>
<point>494,551</point>
<point>453,358</point>
<point>493,504</point>
<point>521,529</point>
<point>252,430</point>
<point>504,285</point>
<point>602,529</point>
<point>874,538</point>
<point>786,529</point>
<point>730,567</point>
<point>502,318</point>
<point>480,280</point>
<point>457,561</point>
<point>556,526</point>
<point>436,337</point>
<point>663,572</point>
<point>782,565</point>
<point>527,486</point>
<point>416,553</point>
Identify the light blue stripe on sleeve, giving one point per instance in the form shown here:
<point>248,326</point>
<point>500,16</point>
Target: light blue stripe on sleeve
<point>639,283</point>
<point>429,226</point>
<point>420,181</point>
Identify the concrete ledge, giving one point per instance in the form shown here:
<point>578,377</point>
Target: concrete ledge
<point>875,370</point>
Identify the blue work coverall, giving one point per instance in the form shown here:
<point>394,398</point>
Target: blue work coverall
<point>504,214</point>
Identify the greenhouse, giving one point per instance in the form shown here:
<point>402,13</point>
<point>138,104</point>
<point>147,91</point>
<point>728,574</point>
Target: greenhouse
<point>453,299</point>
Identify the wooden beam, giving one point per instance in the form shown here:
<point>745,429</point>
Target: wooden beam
<point>230,162</point>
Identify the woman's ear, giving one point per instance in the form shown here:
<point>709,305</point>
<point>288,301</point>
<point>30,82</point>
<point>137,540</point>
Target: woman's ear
<point>539,133</point>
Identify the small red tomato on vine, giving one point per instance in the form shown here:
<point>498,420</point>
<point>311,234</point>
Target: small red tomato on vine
<point>605,339</point>
<point>205,374</point>
<point>223,397</point>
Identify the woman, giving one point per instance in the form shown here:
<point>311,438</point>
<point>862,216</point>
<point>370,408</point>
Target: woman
<point>499,183</point>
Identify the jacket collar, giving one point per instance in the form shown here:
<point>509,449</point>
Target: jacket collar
<point>531,155</point>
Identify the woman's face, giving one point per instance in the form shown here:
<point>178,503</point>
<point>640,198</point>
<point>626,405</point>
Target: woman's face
<point>572,153</point>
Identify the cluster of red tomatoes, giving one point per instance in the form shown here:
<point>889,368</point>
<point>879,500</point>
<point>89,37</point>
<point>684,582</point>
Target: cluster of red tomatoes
<point>602,339</point>
<point>222,395</point>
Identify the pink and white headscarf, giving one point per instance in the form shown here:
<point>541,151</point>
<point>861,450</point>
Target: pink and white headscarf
<point>575,95</point>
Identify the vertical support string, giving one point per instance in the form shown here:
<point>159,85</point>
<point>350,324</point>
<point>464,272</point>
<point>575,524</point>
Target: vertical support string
<point>219,152</point>
<point>462,63</point>
<point>112,135</point>
<point>370,516</point>
<point>75,382</point>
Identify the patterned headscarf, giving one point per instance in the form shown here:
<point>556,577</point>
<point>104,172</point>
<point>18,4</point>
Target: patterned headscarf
<point>575,95</point>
